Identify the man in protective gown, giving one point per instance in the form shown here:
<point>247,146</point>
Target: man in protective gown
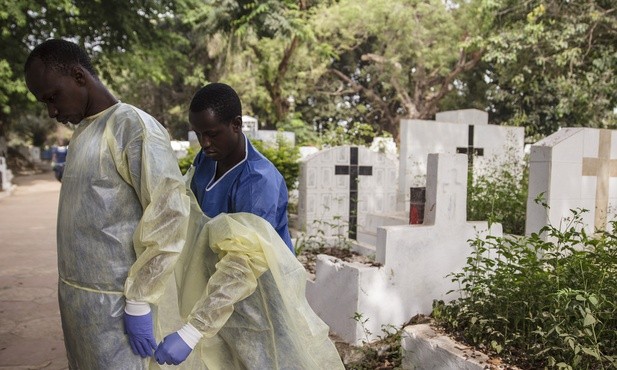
<point>242,297</point>
<point>122,217</point>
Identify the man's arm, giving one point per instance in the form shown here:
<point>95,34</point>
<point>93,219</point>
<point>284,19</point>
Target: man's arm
<point>241,263</point>
<point>161,232</point>
<point>266,197</point>
<point>143,157</point>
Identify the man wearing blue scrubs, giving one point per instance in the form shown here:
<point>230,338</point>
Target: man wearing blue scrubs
<point>230,175</point>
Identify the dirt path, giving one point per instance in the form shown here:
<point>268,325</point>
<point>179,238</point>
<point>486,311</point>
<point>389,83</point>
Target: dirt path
<point>30,330</point>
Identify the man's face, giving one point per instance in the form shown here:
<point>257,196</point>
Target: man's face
<point>218,139</point>
<point>65,96</point>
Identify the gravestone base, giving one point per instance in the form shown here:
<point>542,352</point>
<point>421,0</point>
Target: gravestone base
<point>342,290</point>
<point>366,238</point>
<point>424,348</point>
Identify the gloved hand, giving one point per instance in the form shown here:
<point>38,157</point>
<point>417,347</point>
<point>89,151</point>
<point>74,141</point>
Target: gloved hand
<point>141,333</point>
<point>172,350</point>
<point>177,346</point>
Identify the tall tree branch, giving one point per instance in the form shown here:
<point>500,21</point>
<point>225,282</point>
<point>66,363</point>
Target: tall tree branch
<point>463,65</point>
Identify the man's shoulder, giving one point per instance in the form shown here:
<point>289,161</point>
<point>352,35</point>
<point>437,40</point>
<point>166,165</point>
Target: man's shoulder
<point>128,116</point>
<point>133,113</point>
<point>262,171</point>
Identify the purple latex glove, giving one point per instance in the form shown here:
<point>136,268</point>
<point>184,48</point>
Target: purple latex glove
<point>141,333</point>
<point>172,350</point>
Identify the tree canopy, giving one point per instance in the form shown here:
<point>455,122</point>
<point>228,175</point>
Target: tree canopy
<point>317,65</point>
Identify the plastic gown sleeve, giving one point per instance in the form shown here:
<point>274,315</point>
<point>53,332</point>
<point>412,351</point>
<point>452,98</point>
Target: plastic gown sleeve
<point>149,165</point>
<point>241,263</point>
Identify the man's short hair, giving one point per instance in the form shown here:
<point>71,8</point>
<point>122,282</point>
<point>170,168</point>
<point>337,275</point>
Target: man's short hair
<point>220,98</point>
<point>60,55</point>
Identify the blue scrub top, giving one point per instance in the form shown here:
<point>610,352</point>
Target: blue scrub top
<point>254,185</point>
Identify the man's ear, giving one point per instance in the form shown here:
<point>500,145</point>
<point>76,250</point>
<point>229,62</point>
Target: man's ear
<point>236,124</point>
<point>79,74</point>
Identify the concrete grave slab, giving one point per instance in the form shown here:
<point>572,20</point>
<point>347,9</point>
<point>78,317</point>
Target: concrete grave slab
<point>356,300</point>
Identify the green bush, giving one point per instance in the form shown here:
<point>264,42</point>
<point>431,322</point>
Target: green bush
<point>540,303</point>
<point>186,161</point>
<point>285,158</point>
<point>356,134</point>
<point>500,195</point>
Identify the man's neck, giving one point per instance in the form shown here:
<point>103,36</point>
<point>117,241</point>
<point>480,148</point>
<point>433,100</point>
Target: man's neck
<point>223,166</point>
<point>101,99</point>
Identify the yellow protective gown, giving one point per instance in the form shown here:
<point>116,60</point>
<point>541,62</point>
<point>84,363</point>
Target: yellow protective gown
<point>122,222</point>
<point>242,289</point>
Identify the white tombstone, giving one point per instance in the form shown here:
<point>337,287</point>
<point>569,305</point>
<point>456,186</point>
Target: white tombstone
<point>466,132</point>
<point>306,151</point>
<point>35,154</point>
<point>464,116</point>
<point>180,148</point>
<point>193,141</point>
<point>6,176</point>
<point>339,186</point>
<point>416,261</point>
<point>272,136</point>
<point>250,124</point>
<point>575,168</point>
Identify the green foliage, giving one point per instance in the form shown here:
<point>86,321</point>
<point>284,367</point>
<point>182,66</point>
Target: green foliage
<point>356,134</point>
<point>305,135</point>
<point>35,129</point>
<point>552,64</point>
<point>131,44</point>
<point>285,158</point>
<point>540,303</point>
<point>383,353</point>
<point>499,195</point>
<point>186,161</point>
<point>309,66</point>
<point>318,241</point>
<point>397,60</point>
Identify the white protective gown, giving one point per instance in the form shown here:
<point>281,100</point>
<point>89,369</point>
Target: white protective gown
<point>122,222</point>
<point>242,289</point>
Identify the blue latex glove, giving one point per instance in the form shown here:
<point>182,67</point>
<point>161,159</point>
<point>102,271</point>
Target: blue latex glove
<point>172,350</point>
<point>141,333</point>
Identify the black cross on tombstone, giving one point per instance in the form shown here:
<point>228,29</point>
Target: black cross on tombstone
<point>470,150</point>
<point>353,170</point>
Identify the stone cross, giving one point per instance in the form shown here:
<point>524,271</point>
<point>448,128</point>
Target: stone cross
<point>470,150</point>
<point>353,170</point>
<point>603,168</point>
<point>574,168</point>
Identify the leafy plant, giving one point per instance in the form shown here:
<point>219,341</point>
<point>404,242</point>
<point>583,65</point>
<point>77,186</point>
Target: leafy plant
<point>186,161</point>
<point>319,240</point>
<point>355,134</point>
<point>499,194</point>
<point>285,158</point>
<point>383,353</point>
<point>540,302</point>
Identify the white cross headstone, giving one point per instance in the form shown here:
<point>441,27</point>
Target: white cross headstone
<point>416,260</point>
<point>340,186</point>
<point>575,168</point>
<point>5,175</point>
<point>463,131</point>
